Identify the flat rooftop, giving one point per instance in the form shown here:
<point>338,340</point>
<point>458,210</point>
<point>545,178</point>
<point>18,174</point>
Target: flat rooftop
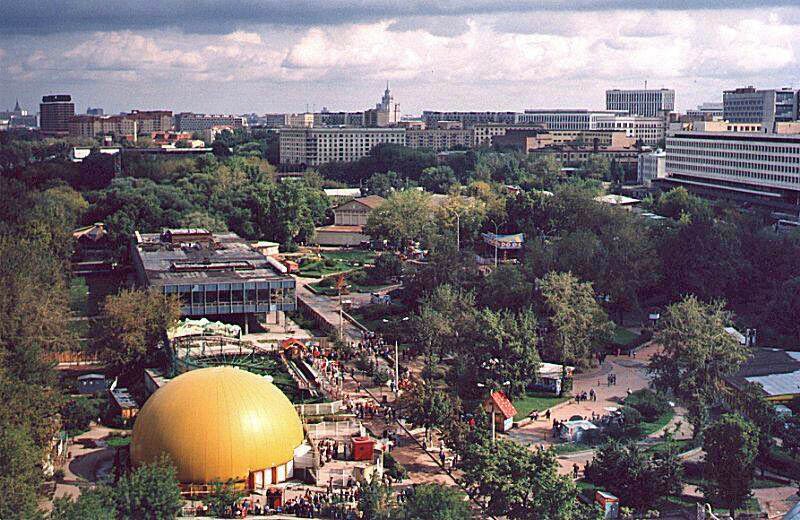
<point>187,256</point>
<point>776,371</point>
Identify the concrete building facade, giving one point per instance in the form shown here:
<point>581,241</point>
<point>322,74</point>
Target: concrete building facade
<point>641,102</point>
<point>316,146</point>
<point>651,166</point>
<point>765,107</point>
<point>756,166</point>
<point>190,122</point>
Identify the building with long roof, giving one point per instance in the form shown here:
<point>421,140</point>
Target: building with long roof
<point>213,274</point>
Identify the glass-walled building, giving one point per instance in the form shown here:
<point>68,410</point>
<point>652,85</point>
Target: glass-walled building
<point>213,274</point>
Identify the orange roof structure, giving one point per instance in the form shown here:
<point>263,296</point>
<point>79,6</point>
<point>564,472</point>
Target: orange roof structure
<point>371,201</point>
<point>500,402</point>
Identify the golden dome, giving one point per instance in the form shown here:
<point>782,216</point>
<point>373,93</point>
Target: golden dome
<point>217,423</point>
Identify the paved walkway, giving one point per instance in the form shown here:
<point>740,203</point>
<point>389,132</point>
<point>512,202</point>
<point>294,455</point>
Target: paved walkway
<point>88,461</point>
<point>631,375</point>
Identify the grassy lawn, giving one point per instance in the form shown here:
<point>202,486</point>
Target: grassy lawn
<point>354,288</point>
<point>79,296</point>
<point>682,446</point>
<point>337,262</point>
<point>623,336</point>
<point>652,427</point>
<point>531,402</point>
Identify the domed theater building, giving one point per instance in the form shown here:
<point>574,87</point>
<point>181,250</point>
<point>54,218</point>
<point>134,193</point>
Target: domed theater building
<point>219,424</point>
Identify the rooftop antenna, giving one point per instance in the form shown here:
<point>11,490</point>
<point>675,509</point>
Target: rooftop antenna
<point>645,84</point>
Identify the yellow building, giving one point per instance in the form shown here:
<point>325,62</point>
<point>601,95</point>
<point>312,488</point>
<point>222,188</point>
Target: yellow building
<point>217,424</point>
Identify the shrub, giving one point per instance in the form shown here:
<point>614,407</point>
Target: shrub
<point>380,377</point>
<point>328,262</point>
<point>649,404</point>
<point>387,266</point>
<point>358,277</point>
<point>393,468</point>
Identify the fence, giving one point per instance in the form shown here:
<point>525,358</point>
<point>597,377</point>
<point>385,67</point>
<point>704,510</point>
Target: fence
<point>334,430</point>
<point>319,408</point>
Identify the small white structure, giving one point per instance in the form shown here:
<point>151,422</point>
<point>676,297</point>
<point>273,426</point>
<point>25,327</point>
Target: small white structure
<point>575,431</point>
<point>618,200</point>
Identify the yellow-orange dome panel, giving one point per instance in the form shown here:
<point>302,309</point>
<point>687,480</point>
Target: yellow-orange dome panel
<point>217,423</point>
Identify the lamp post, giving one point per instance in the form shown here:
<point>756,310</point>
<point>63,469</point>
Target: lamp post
<point>495,243</point>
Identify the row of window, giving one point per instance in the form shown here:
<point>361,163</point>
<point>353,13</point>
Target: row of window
<point>675,165</point>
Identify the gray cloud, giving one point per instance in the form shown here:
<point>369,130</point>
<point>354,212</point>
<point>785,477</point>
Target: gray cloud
<point>214,17</point>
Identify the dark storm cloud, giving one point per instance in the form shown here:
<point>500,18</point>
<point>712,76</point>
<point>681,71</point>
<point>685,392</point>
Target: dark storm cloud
<point>206,16</point>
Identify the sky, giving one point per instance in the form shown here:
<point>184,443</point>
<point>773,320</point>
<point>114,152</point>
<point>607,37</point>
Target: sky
<point>242,56</point>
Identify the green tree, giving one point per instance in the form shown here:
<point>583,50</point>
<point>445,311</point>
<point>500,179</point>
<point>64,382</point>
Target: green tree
<point>506,288</point>
<point>731,446</point>
<point>402,219</point>
<point>20,473</point>
<point>150,492</point>
<point>638,479</point>
<point>578,326</point>
<point>76,414</point>
<point>222,498</point>
<point>696,355</point>
<point>133,326</point>
<point>375,500</point>
<point>499,353</point>
<point>518,483</point>
<point>678,201</point>
<point>438,179</point>
<point>436,502</point>
<point>429,407</point>
<point>97,504</point>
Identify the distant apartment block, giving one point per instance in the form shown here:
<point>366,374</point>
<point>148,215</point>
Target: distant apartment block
<point>469,119</point>
<point>149,121</point>
<point>641,102</point>
<point>485,132</point>
<point>95,111</point>
<point>754,166</point>
<point>440,139</point>
<point>765,107</point>
<point>55,112</point>
<point>316,146</point>
<point>190,122</point>
<point>120,126</point>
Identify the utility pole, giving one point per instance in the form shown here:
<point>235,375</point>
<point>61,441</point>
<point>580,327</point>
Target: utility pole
<point>495,244</point>
<point>396,369</point>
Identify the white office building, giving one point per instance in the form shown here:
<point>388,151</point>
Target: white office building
<point>651,166</point>
<point>559,119</point>
<point>315,146</point>
<point>648,130</point>
<point>764,167</point>
<point>641,102</point>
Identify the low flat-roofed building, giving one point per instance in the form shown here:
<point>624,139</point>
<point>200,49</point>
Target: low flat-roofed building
<point>776,371</point>
<point>214,274</point>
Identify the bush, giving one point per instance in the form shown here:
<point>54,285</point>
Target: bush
<point>328,262</point>
<point>393,468</point>
<point>381,377</point>
<point>358,277</point>
<point>387,266</point>
<point>649,404</point>
<point>364,364</point>
<point>629,427</point>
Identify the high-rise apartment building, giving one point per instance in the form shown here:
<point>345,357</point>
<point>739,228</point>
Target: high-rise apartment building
<point>315,146</point>
<point>648,130</point>
<point>707,111</point>
<point>766,107</point>
<point>55,112</point>
<point>641,102</point>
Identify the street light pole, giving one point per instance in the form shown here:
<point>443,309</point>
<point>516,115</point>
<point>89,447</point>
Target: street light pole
<point>495,243</point>
<point>458,232</point>
<point>396,369</point>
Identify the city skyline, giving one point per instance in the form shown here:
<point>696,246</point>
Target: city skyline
<point>476,56</point>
